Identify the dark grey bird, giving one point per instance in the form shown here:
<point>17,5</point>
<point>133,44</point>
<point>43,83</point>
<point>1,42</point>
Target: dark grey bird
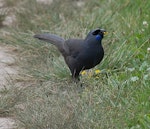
<point>79,54</point>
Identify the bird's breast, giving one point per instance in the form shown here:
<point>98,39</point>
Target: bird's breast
<point>91,57</point>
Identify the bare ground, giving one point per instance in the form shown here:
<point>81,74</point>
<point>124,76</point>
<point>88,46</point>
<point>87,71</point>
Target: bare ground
<point>8,71</point>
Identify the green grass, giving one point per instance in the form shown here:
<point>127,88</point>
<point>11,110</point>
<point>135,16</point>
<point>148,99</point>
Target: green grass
<point>118,97</point>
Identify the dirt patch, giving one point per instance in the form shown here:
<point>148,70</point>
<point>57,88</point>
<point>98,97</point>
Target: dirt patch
<point>8,71</point>
<point>7,66</point>
<point>6,123</point>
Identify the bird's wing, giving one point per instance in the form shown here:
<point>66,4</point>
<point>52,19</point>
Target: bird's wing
<point>75,46</point>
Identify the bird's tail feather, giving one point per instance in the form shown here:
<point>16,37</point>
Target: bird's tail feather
<point>51,38</point>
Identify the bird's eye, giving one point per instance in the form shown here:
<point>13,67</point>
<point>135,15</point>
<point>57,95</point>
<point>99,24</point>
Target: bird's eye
<point>96,32</point>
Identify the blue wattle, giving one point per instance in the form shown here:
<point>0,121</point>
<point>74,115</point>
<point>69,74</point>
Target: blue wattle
<point>98,37</point>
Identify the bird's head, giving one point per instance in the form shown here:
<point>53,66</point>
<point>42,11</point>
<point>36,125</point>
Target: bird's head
<point>97,34</point>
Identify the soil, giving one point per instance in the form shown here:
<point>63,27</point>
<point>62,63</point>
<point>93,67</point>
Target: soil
<point>8,71</point>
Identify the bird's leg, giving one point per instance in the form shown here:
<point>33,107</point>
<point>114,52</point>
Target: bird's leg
<point>76,79</point>
<point>75,76</point>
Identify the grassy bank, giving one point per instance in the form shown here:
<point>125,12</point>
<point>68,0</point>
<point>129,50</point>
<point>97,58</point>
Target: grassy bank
<point>117,97</point>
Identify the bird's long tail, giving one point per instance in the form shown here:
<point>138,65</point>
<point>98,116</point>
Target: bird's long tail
<point>53,39</point>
